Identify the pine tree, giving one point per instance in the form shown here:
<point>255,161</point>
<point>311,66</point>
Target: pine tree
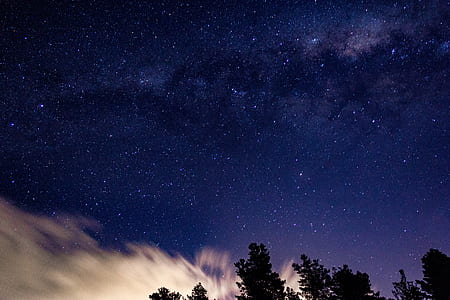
<point>198,293</point>
<point>164,294</point>
<point>314,280</point>
<point>406,290</point>
<point>347,285</point>
<point>259,282</point>
<point>436,275</point>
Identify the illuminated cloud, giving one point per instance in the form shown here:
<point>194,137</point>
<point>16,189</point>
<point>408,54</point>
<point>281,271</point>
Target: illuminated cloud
<point>45,258</point>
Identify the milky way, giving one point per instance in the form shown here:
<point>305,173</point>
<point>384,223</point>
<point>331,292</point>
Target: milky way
<point>311,126</point>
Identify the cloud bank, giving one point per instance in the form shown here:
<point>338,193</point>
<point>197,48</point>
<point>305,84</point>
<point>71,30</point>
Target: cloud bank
<point>54,258</point>
<point>46,258</point>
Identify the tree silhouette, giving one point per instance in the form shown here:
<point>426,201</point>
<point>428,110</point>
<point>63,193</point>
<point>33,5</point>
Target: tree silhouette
<point>349,286</point>
<point>164,294</point>
<point>314,280</point>
<point>259,282</point>
<point>436,275</point>
<point>291,294</point>
<point>406,290</point>
<point>198,293</point>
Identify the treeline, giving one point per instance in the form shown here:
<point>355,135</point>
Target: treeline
<point>259,282</point>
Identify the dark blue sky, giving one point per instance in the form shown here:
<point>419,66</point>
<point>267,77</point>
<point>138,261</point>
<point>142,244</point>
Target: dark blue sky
<point>317,127</point>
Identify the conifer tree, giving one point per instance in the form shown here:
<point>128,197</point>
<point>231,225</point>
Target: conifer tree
<point>164,294</point>
<point>258,281</point>
<point>436,275</point>
<point>198,293</point>
<point>406,290</point>
<point>314,279</point>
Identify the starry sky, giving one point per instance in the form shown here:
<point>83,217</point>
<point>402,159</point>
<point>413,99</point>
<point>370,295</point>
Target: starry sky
<point>317,127</point>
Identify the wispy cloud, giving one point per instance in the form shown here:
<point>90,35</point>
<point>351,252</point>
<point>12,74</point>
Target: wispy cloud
<point>53,258</point>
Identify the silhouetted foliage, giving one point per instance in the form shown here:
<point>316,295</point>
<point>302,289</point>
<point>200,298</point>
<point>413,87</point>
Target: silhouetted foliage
<point>406,290</point>
<point>164,294</point>
<point>314,280</point>
<point>259,282</point>
<point>291,294</point>
<point>198,293</point>
<point>349,286</point>
<point>436,275</point>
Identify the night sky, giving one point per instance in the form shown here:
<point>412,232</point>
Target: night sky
<point>317,127</point>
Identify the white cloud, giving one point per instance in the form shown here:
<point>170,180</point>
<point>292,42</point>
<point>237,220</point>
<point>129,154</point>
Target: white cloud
<point>47,258</point>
